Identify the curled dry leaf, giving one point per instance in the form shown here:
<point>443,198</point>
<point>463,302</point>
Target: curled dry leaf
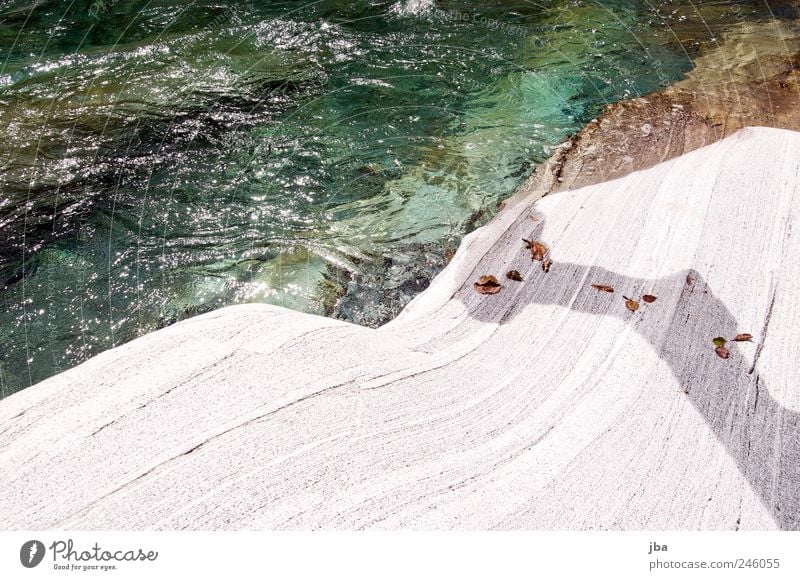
<point>631,304</point>
<point>743,337</point>
<point>538,249</point>
<point>603,288</point>
<point>649,298</point>
<point>487,285</point>
<point>546,265</point>
<point>514,275</point>
<point>720,341</point>
<point>722,352</point>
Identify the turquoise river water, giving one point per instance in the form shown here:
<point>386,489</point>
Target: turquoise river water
<point>163,158</point>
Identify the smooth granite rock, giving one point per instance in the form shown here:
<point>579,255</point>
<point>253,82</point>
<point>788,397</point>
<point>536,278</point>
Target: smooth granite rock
<point>547,406</point>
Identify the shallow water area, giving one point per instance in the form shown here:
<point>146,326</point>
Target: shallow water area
<point>167,158</point>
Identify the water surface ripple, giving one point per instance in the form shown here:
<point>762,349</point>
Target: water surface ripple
<point>164,158</point>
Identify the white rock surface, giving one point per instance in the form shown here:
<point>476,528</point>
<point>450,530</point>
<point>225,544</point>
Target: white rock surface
<point>547,406</point>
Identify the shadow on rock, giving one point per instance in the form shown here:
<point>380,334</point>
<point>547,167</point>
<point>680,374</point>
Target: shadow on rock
<point>757,431</point>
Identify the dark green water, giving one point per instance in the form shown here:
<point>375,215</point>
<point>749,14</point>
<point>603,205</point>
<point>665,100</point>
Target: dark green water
<point>161,159</point>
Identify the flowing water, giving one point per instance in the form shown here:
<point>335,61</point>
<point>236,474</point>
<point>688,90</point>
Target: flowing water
<point>163,158</point>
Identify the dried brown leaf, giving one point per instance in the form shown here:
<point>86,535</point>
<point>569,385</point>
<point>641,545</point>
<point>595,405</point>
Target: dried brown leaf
<point>649,298</point>
<point>631,304</point>
<point>546,265</point>
<point>744,337</point>
<point>722,352</point>
<point>603,288</point>
<point>514,275</point>
<point>487,285</point>
<point>538,249</point>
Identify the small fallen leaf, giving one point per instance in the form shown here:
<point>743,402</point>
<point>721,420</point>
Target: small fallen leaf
<point>722,352</point>
<point>719,341</point>
<point>649,298</point>
<point>514,275</point>
<point>743,337</point>
<point>546,265</point>
<point>631,304</point>
<point>487,285</point>
<point>538,249</point>
<point>603,288</point>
